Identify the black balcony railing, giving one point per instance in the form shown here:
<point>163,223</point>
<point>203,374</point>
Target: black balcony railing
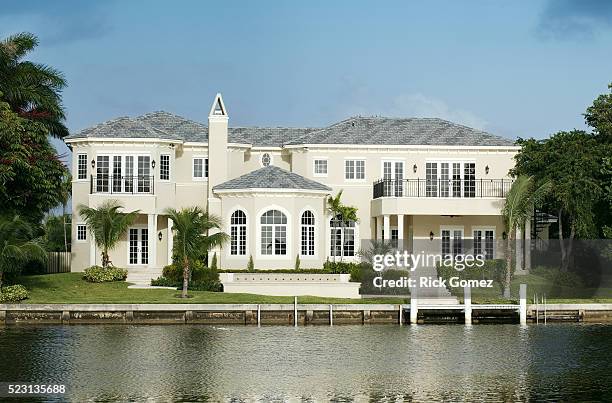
<point>139,184</point>
<point>442,188</point>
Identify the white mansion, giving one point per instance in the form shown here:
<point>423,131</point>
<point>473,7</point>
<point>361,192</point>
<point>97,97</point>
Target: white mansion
<point>410,179</point>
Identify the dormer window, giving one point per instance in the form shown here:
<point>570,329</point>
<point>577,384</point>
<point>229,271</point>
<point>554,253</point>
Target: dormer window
<point>266,159</point>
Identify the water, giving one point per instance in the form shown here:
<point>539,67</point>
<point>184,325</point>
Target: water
<point>341,363</point>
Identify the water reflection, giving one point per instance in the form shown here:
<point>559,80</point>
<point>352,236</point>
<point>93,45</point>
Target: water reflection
<point>340,363</point>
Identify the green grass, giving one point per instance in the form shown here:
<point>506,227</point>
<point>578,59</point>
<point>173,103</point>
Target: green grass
<point>70,288</point>
<point>539,285</point>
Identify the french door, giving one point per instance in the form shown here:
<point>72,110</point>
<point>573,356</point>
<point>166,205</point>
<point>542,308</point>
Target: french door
<point>123,173</point>
<point>393,174</point>
<point>138,246</point>
<point>450,179</point>
<point>452,242</point>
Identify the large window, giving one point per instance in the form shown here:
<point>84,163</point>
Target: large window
<point>354,169</point>
<point>164,167</point>
<point>82,166</point>
<point>484,241</point>
<point>450,179</point>
<point>308,234</point>
<point>238,233</point>
<point>123,174</point>
<point>452,242</point>
<point>200,168</point>
<point>273,233</point>
<point>342,237</point>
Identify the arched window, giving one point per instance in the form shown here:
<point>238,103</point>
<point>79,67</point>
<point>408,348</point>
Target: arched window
<point>238,233</point>
<point>342,237</point>
<point>273,233</point>
<point>308,234</point>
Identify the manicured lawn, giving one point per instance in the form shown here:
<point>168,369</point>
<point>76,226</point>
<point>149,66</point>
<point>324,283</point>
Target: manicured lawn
<point>69,288</point>
<point>542,286</point>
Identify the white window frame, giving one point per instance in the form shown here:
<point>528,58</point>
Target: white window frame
<point>135,183</point>
<point>452,228</point>
<point>150,239</point>
<point>169,167</point>
<point>314,167</point>
<point>451,161</point>
<point>355,179</point>
<point>355,228</point>
<point>315,233</point>
<point>483,229</point>
<point>246,234</point>
<point>204,176</point>
<point>80,224</point>
<point>79,155</point>
<point>288,232</point>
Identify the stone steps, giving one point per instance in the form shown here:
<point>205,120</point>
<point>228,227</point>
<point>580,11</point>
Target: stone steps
<point>142,276</point>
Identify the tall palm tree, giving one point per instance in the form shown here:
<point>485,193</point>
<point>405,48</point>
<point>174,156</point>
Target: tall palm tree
<point>191,239</point>
<point>107,224</point>
<point>521,199</point>
<point>65,192</point>
<point>17,245</point>
<point>33,90</point>
<point>341,212</point>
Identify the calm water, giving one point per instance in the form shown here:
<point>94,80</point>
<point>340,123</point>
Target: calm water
<point>341,363</point>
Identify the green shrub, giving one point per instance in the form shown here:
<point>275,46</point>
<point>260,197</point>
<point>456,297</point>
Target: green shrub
<point>202,278</point>
<point>367,275</point>
<point>493,269</point>
<point>297,262</point>
<point>250,264</point>
<point>13,294</point>
<point>97,274</point>
<point>213,263</point>
<point>558,277</point>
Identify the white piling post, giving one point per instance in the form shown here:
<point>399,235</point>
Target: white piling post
<point>467,304</point>
<point>414,306</point>
<point>258,315</point>
<point>523,304</point>
<point>331,315</point>
<point>295,317</point>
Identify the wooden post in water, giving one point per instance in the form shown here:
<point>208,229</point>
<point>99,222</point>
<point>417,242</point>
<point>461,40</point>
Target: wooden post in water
<point>258,315</point>
<point>331,315</point>
<point>295,317</point>
<point>523,304</point>
<point>414,306</point>
<point>400,311</point>
<point>467,304</point>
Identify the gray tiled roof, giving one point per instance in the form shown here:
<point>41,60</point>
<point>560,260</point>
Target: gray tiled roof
<point>356,130</point>
<point>271,177</point>
<point>402,131</point>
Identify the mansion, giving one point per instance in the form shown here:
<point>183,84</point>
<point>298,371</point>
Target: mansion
<point>418,181</point>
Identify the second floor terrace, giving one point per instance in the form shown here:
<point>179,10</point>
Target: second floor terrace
<point>442,188</point>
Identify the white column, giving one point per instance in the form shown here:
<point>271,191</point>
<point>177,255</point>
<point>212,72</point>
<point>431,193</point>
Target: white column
<point>528,244</point>
<point>152,230</point>
<point>519,249</point>
<point>523,304</point>
<point>400,231</point>
<point>387,227</point>
<point>92,249</point>
<point>170,240</point>
<point>467,304</point>
<point>414,306</point>
<point>378,220</point>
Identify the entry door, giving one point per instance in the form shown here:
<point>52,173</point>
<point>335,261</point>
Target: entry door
<point>139,246</point>
<point>393,173</point>
<point>452,242</point>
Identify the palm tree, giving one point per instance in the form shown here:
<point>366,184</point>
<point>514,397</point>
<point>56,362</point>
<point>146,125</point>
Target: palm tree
<point>33,90</point>
<point>17,245</point>
<point>521,199</point>
<point>107,224</point>
<point>192,240</point>
<point>65,192</point>
<point>341,212</point>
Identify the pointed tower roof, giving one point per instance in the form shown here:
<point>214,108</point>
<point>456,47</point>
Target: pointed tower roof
<point>218,107</point>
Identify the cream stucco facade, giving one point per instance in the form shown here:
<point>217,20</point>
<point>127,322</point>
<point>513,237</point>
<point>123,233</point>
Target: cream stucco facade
<point>427,192</point>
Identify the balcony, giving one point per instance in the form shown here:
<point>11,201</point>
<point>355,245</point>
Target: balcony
<point>109,184</point>
<point>442,188</point>
<point>459,197</point>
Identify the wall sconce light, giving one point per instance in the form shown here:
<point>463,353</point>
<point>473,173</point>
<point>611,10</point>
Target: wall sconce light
<point>159,235</point>
<point>153,164</point>
<point>487,170</point>
<point>504,235</point>
<point>93,163</point>
<point>414,168</point>
<point>431,235</point>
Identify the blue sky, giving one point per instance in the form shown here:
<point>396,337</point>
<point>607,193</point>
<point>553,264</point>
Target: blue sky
<point>520,68</point>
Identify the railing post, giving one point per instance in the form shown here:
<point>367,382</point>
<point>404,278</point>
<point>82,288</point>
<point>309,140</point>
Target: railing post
<point>523,304</point>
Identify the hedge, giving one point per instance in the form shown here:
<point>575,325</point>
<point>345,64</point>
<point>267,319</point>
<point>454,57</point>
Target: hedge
<point>97,274</point>
<point>13,294</point>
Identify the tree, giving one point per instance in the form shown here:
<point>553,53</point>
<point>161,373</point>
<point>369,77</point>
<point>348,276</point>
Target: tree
<point>32,90</point>
<point>107,224</point>
<point>65,193</point>
<point>192,238</point>
<point>30,170</point>
<point>341,212</point>
<point>571,162</point>
<point>297,262</point>
<point>56,237</point>
<point>599,116</point>
<point>17,245</point>
<point>521,199</point>
<point>250,264</point>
